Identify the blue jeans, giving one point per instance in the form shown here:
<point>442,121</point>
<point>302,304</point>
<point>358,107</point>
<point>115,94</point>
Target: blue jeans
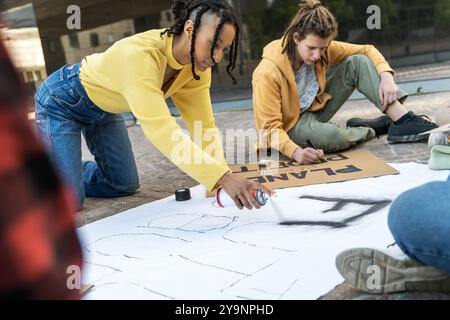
<point>419,220</point>
<point>63,112</point>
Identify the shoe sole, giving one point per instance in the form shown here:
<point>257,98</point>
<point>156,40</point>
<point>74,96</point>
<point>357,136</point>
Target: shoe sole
<point>411,138</point>
<point>373,271</point>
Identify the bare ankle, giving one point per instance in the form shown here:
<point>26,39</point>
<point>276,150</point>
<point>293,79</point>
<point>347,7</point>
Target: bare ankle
<point>396,110</point>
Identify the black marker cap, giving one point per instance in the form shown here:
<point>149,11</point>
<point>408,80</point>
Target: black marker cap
<point>183,194</point>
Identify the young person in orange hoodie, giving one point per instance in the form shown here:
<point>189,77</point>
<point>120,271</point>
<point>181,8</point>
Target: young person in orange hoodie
<point>294,100</point>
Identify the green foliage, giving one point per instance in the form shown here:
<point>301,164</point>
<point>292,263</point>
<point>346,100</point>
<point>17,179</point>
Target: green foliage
<point>269,23</point>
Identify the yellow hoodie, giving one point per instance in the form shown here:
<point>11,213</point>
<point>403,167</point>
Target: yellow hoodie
<point>128,77</point>
<point>275,99</point>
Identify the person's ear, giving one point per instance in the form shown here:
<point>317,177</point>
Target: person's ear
<point>296,37</point>
<point>189,28</point>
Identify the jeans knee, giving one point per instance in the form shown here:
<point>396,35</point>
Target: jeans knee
<point>420,211</point>
<point>419,222</point>
<point>132,189</point>
<point>127,189</point>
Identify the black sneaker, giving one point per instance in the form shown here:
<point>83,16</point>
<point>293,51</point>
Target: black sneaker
<point>410,131</point>
<point>380,125</point>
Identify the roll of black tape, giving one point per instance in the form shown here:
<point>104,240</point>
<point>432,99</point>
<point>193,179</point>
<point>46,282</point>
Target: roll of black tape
<point>182,194</point>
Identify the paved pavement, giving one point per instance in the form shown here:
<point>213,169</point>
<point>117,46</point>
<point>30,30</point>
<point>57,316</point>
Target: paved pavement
<point>159,178</point>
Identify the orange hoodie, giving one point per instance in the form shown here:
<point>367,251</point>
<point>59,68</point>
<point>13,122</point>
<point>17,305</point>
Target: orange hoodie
<point>276,103</point>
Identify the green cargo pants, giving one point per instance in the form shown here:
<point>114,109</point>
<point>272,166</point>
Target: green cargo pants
<point>355,72</point>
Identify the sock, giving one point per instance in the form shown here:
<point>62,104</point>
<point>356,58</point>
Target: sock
<point>404,119</point>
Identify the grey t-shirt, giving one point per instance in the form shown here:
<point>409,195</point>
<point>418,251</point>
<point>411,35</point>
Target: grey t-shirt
<point>307,86</point>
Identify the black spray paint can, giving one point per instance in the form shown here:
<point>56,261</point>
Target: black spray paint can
<point>223,200</point>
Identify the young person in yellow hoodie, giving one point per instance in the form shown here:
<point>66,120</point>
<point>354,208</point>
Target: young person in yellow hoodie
<point>137,74</point>
<point>294,101</point>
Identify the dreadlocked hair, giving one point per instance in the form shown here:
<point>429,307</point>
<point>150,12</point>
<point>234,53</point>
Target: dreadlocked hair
<point>184,10</point>
<point>312,18</point>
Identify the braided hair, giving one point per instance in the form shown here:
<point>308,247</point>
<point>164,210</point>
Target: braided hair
<point>183,10</point>
<point>312,18</point>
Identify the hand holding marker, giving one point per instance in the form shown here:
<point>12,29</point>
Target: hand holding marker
<point>311,145</point>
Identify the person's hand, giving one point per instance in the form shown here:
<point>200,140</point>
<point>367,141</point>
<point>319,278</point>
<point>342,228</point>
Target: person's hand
<point>240,190</point>
<point>307,155</point>
<point>388,92</point>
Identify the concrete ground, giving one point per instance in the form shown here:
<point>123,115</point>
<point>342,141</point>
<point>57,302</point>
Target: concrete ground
<point>159,178</point>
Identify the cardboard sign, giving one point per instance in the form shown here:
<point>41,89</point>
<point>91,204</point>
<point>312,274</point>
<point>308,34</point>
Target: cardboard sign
<point>343,166</point>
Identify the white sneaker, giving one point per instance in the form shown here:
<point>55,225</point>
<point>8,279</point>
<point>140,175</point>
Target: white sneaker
<point>389,270</point>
